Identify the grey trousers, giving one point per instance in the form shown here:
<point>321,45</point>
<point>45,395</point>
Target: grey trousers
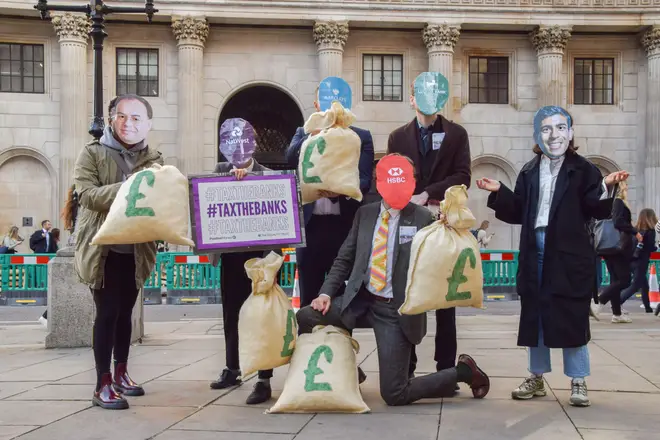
<point>394,349</point>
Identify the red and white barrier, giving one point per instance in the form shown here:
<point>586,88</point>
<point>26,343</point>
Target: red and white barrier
<point>191,259</point>
<point>505,256</point>
<point>38,259</point>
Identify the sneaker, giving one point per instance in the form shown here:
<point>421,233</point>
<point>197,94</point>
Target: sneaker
<point>43,321</point>
<point>621,319</point>
<point>227,379</point>
<point>533,386</point>
<point>260,394</point>
<point>579,395</point>
<point>625,312</point>
<point>594,311</point>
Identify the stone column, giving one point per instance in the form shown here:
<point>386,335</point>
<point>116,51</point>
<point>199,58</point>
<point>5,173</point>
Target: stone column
<point>73,31</point>
<point>440,41</point>
<point>651,42</point>
<point>330,38</point>
<point>191,33</point>
<point>550,43</point>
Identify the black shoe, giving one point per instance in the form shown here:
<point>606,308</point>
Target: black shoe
<point>227,379</point>
<point>361,376</point>
<point>260,394</point>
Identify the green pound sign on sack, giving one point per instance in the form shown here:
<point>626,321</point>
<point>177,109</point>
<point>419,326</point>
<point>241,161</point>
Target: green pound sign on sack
<point>307,163</point>
<point>313,369</point>
<point>291,325</point>
<point>457,277</point>
<point>134,195</point>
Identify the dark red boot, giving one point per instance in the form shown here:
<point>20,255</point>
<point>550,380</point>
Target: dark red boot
<point>107,397</point>
<point>124,383</point>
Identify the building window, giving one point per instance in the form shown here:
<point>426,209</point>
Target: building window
<point>593,81</point>
<point>489,80</point>
<point>137,72</point>
<point>21,68</point>
<point>382,77</point>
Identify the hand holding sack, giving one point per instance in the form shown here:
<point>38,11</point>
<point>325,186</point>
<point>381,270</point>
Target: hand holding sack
<point>267,326</point>
<point>323,376</point>
<point>445,261</point>
<point>329,160</point>
<point>151,205</point>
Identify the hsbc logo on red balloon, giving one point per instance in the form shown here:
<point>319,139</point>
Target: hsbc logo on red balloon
<point>396,174</point>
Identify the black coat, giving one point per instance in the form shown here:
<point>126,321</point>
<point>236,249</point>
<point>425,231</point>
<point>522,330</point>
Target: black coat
<point>568,265</point>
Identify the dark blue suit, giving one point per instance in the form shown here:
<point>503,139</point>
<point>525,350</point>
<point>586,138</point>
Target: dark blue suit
<point>326,233</point>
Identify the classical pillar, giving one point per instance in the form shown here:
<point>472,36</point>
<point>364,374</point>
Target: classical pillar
<point>73,31</point>
<point>330,38</point>
<point>440,40</point>
<point>191,33</point>
<point>651,42</point>
<point>550,43</point>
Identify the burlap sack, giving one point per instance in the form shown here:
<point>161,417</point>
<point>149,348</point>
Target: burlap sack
<point>322,376</point>
<point>267,326</point>
<point>445,262</point>
<point>151,205</point>
<point>329,160</point>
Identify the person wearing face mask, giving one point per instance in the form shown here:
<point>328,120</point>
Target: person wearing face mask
<point>373,262</point>
<point>556,195</point>
<point>116,273</point>
<point>237,145</point>
<point>440,150</point>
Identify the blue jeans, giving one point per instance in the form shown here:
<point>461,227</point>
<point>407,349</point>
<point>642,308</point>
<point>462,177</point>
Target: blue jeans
<point>576,360</point>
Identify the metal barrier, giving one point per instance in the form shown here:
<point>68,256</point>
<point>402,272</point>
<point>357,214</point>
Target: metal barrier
<point>24,279</point>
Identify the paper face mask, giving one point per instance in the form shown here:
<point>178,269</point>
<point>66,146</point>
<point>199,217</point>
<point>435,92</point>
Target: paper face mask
<point>431,92</point>
<point>395,180</point>
<point>130,122</point>
<point>237,142</point>
<point>333,89</point>
<point>553,130</point>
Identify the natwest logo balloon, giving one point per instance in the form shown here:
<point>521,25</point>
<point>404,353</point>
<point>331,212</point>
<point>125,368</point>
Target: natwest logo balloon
<point>395,180</point>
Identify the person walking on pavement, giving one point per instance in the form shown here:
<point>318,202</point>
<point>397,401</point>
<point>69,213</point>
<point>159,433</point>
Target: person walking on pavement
<point>555,196</point>
<point>116,273</point>
<point>618,264</point>
<point>646,236</point>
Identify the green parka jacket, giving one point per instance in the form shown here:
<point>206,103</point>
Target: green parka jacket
<point>98,178</point>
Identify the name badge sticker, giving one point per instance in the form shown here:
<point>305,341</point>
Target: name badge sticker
<point>406,234</point>
<point>437,140</point>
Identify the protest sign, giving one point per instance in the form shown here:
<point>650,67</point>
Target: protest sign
<point>333,89</point>
<point>261,211</point>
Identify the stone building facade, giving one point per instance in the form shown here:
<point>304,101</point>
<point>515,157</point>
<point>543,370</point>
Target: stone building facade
<point>201,63</point>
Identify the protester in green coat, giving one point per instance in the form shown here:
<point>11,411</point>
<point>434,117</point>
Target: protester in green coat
<point>115,273</point>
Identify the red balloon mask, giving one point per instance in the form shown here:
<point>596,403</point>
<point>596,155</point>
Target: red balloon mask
<point>395,180</point>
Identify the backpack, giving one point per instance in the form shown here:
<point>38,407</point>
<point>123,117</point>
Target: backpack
<point>475,232</point>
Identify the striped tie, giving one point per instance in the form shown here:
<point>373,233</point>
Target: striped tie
<point>378,278</point>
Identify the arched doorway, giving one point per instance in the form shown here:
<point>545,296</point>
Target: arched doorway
<point>274,116</point>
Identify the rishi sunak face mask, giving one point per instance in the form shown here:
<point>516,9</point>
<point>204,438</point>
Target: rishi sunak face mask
<point>553,131</point>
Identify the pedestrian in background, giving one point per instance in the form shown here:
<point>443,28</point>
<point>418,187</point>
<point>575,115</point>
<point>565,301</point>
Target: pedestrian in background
<point>11,241</point>
<point>646,236</point>
<point>618,264</point>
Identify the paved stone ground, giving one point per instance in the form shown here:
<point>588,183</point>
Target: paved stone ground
<point>45,394</point>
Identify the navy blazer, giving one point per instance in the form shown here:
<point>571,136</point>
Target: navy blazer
<point>366,167</point>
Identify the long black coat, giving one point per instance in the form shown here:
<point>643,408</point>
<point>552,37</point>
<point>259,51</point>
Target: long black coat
<point>568,265</point>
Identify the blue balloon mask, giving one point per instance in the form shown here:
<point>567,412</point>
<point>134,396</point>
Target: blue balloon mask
<point>431,92</point>
<point>333,89</point>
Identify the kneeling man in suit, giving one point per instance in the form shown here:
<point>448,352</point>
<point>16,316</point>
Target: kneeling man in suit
<point>374,259</point>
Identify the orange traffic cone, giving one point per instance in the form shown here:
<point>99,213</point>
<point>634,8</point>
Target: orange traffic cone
<point>654,292</point>
<point>295,300</point>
